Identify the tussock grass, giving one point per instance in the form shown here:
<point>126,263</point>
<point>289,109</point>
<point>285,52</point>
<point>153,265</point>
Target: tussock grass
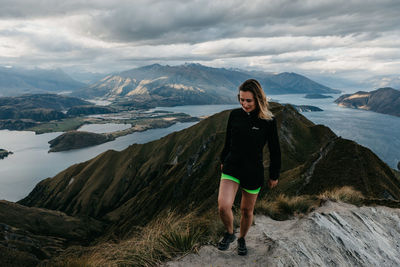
<point>285,207</point>
<point>345,194</point>
<point>168,236</point>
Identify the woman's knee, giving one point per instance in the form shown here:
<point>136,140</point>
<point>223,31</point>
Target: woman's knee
<point>224,207</point>
<point>246,212</point>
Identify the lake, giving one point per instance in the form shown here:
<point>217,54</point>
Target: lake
<point>31,162</point>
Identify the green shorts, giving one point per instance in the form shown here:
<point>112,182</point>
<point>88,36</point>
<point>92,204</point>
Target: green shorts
<point>228,177</point>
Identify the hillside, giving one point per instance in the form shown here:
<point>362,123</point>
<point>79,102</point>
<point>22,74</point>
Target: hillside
<point>384,100</point>
<point>18,81</point>
<point>30,235</point>
<point>138,190</point>
<point>37,107</point>
<point>115,186</point>
<point>157,85</point>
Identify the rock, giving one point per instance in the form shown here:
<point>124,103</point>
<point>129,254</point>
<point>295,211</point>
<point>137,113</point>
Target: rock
<point>398,166</point>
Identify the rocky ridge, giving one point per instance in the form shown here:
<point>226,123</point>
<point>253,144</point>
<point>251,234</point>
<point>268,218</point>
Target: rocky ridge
<point>336,234</point>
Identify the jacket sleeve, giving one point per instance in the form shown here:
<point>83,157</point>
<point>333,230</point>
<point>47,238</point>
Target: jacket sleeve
<point>274,152</point>
<point>227,146</point>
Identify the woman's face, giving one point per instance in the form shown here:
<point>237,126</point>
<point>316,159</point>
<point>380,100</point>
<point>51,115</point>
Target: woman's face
<point>247,101</point>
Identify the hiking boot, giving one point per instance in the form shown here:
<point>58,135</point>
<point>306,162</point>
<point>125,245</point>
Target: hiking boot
<point>242,249</point>
<point>224,243</point>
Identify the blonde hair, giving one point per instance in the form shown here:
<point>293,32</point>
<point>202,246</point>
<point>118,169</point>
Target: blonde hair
<point>254,86</point>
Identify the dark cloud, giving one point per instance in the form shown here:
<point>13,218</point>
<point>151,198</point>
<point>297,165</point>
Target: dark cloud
<point>278,35</point>
<point>174,21</point>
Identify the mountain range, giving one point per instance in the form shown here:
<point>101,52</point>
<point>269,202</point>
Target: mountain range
<point>384,100</point>
<point>157,85</point>
<point>17,81</point>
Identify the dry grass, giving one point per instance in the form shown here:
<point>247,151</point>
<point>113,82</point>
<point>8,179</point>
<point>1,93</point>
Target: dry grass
<point>284,207</point>
<point>345,194</point>
<point>170,235</point>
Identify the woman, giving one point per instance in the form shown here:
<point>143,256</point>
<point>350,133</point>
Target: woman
<point>249,128</point>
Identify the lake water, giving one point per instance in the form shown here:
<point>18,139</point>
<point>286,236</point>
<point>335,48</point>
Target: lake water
<point>31,162</point>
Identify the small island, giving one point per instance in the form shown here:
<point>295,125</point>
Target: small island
<point>76,139</point>
<point>317,96</point>
<point>4,153</point>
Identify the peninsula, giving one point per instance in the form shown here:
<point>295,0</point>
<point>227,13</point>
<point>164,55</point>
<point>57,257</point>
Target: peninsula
<point>384,100</point>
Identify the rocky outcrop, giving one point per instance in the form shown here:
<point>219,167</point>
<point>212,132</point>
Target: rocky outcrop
<point>336,234</point>
<point>77,139</point>
<point>383,100</point>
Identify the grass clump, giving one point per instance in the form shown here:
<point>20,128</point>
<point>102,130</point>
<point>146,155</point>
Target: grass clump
<point>345,194</point>
<point>285,207</point>
<point>180,240</point>
<point>168,236</point>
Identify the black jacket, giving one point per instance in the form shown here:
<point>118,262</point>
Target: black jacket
<point>246,136</point>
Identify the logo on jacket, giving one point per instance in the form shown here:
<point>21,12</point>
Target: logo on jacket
<point>255,128</point>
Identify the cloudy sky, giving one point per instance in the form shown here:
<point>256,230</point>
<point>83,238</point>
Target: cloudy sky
<point>342,43</point>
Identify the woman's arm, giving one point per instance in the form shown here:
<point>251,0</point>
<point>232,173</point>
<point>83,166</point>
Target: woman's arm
<point>227,146</point>
<point>274,152</point>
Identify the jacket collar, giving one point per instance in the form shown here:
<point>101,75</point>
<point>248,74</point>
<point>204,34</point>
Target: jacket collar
<point>251,114</point>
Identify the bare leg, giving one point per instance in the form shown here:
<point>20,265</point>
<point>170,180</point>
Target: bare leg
<point>246,208</point>
<point>226,196</point>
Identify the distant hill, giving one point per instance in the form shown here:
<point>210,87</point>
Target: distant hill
<point>17,81</point>
<point>384,100</point>
<point>157,85</point>
<point>37,107</point>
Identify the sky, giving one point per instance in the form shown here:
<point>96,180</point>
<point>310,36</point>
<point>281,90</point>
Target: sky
<point>344,44</point>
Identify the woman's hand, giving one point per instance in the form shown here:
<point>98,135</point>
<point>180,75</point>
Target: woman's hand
<point>222,165</point>
<point>272,183</point>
